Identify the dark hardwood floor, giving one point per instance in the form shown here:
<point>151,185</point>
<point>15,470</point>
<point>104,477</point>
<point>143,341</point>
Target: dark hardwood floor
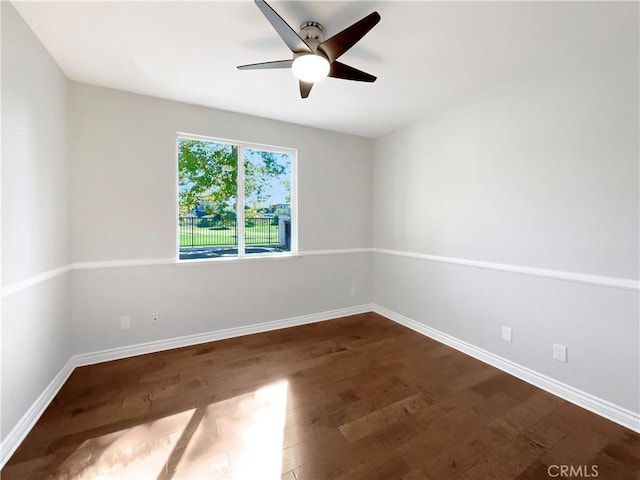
<point>353,398</point>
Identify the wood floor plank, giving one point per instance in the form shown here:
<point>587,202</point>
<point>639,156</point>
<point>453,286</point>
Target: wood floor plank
<point>358,397</point>
<point>384,417</point>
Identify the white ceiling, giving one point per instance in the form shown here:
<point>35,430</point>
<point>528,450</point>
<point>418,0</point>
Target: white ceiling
<point>425,54</point>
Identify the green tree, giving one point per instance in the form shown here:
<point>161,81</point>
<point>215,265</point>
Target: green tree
<point>259,168</point>
<point>208,174</point>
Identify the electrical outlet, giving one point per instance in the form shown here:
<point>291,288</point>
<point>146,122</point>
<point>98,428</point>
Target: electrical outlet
<point>354,290</point>
<point>506,334</point>
<point>559,352</point>
<point>155,319</point>
<point>125,323</point>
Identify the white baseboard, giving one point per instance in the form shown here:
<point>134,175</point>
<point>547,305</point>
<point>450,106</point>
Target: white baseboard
<point>157,346</point>
<point>15,437</point>
<point>601,407</point>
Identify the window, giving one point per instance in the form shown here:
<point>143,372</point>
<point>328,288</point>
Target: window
<point>234,199</point>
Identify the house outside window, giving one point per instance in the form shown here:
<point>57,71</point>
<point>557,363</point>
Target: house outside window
<point>235,199</point>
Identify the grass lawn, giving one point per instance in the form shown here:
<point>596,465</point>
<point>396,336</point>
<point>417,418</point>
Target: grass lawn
<point>207,237</point>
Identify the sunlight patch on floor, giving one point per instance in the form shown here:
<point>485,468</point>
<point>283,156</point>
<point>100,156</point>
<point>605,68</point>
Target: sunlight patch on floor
<point>132,453</point>
<point>259,454</point>
<point>238,438</point>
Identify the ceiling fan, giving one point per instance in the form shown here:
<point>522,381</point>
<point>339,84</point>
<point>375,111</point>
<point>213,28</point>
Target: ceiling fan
<point>314,57</point>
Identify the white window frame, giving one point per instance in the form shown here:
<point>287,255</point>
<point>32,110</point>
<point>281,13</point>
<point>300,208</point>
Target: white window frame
<point>242,146</point>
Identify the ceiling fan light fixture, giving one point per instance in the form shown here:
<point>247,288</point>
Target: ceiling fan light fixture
<point>310,67</point>
<point>315,58</point>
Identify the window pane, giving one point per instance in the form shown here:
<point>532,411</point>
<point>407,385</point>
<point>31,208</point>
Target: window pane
<point>207,181</point>
<point>267,206</point>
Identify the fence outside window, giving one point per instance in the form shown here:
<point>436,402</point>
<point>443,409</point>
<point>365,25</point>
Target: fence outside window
<point>220,232</point>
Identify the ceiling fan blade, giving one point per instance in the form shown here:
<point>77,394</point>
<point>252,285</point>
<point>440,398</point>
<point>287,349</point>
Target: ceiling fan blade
<point>265,65</point>
<point>288,34</point>
<point>347,38</point>
<point>340,70</point>
<point>305,88</point>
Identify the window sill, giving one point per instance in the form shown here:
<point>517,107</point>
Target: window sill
<point>246,258</point>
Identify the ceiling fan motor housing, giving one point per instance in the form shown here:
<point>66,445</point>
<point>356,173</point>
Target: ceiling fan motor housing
<point>313,35</point>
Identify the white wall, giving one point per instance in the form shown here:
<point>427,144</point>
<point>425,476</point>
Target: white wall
<point>540,170</point>
<point>122,147</point>
<point>36,339</point>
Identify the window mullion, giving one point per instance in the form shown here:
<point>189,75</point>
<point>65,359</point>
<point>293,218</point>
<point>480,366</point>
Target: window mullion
<point>240,224</point>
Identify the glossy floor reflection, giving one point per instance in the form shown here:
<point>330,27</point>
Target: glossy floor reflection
<point>242,434</point>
